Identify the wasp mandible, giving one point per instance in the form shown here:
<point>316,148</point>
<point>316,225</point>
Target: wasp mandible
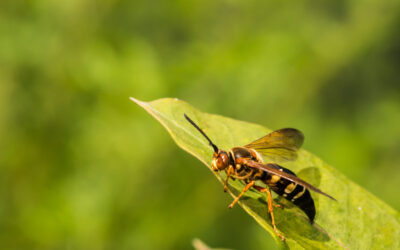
<point>246,163</point>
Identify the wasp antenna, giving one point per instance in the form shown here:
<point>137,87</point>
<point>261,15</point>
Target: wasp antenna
<point>201,131</point>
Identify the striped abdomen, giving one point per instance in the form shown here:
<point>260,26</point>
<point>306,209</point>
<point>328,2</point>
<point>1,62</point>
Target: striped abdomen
<point>297,194</point>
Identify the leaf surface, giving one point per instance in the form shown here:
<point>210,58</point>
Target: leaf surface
<point>358,220</point>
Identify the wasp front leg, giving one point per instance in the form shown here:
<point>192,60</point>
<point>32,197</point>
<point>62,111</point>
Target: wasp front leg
<point>228,175</point>
<point>247,187</point>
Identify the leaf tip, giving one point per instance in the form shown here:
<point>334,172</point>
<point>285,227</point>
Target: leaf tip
<point>138,102</point>
<point>133,99</point>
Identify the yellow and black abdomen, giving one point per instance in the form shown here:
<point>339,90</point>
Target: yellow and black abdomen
<point>297,194</point>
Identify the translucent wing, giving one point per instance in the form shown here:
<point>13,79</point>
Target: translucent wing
<point>281,144</point>
<point>274,169</point>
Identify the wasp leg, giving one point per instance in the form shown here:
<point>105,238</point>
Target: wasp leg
<point>249,185</point>
<point>270,209</point>
<point>228,175</point>
<point>263,189</point>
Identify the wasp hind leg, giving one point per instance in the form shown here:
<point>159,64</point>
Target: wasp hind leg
<point>247,187</point>
<point>276,205</point>
<point>263,190</point>
<point>270,209</point>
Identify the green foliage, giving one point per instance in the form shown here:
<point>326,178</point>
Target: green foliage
<point>359,220</point>
<point>83,168</point>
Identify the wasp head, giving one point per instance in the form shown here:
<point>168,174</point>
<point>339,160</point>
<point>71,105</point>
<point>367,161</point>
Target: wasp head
<point>220,160</point>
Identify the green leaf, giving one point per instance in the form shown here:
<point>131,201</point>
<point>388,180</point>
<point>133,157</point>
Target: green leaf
<point>358,220</point>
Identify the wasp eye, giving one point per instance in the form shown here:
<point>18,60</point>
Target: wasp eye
<point>222,161</point>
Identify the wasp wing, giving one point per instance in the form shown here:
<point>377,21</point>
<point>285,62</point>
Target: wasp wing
<point>272,168</point>
<point>281,144</point>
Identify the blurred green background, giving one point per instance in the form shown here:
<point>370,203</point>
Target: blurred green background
<point>82,167</point>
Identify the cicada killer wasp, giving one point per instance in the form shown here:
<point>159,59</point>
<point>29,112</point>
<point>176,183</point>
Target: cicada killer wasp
<point>246,163</point>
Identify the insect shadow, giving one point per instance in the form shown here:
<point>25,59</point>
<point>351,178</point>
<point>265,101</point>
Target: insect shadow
<point>291,220</point>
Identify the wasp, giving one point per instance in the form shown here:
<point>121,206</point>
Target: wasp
<point>246,164</point>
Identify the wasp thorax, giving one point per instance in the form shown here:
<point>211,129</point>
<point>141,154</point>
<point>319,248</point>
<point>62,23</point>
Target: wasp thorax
<point>220,160</point>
